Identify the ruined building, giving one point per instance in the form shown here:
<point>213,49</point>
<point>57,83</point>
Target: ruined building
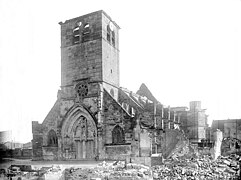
<point>196,122</point>
<point>93,117</point>
<point>231,130</point>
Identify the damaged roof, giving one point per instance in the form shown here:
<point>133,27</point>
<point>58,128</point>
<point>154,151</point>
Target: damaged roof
<point>144,91</point>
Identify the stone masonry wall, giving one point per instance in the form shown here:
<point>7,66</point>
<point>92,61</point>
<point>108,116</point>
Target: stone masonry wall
<point>118,152</point>
<point>37,141</point>
<point>82,60</point>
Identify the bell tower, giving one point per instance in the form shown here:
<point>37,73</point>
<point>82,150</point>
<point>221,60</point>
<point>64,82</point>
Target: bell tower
<point>90,52</point>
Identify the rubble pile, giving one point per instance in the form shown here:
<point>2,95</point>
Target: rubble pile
<point>118,170</point>
<point>42,173</point>
<point>54,172</point>
<point>177,167</point>
<point>202,167</point>
<point>182,149</point>
<point>198,168</point>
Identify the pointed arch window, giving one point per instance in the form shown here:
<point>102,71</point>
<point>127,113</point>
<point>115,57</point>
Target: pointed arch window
<point>52,138</point>
<point>118,136</point>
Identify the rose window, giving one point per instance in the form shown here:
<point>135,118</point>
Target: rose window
<point>82,90</point>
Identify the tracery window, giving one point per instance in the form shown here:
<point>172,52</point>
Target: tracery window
<point>82,90</point>
<point>52,138</point>
<point>118,136</point>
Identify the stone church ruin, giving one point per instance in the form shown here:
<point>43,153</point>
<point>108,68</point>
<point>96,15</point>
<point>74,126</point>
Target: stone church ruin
<point>93,117</point>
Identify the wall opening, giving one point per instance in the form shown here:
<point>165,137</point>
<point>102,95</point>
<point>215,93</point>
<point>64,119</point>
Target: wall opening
<point>52,138</point>
<point>76,33</point>
<point>118,136</point>
<point>108,33</point>
<point>86,33</point>
<point>113,38</point>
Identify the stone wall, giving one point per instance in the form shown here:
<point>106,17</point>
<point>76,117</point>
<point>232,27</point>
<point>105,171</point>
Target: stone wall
<point>169,140</point>
<point>83,59</point>
<point>145,144</point>
<point>17,153</point>
<point>141,160</point>
<point>50,153</point>
<point>27,153</point>
<point>118,152</point>
<point>37,141</point>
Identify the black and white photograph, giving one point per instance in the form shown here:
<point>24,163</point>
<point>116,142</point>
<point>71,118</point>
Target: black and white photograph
<point>120,90</point>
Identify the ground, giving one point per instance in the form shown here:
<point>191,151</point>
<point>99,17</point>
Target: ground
<point>66,164</point>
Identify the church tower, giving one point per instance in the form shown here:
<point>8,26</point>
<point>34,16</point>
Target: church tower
<point>75,127</point>
<point>90,54</point>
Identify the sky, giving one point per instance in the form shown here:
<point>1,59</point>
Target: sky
<point>183,50</point>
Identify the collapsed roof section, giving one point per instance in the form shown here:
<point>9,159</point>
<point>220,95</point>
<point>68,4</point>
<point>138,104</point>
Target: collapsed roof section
<point>145,92</point>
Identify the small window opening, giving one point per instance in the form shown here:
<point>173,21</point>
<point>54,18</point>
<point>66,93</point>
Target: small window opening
<point>111,71</point>
<point>86,29</point>
<point>86,33</point>
<point>79,24</point>
<point>113,38</point>
<point>76,35</point>
<point>108,33</point>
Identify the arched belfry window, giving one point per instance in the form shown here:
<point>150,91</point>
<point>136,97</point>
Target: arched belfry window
<point>86,29</point>
<point>52,138</point>
<point>76,33</point>
<point>111,33</point>
<point>86,33</point>
<point>118,136</point>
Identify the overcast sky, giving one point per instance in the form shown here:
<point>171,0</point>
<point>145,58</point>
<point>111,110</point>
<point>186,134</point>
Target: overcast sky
<point>183,50</point>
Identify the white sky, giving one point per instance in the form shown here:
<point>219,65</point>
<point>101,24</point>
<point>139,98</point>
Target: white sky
<point>183,50</point>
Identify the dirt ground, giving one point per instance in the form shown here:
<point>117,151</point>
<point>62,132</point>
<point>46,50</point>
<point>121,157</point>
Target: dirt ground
<point>5,163</point>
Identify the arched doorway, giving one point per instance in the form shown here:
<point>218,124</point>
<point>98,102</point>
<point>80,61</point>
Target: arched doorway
<point>84,137</point>
<point>79,134</point>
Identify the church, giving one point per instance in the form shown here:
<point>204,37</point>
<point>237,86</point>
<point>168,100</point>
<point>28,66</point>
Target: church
<point>93,117</point>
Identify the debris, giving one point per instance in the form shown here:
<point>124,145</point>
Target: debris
<point>203,167</point>
<point>178,168</point>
